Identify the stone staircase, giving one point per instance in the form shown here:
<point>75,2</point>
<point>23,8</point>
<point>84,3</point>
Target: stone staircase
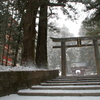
<point>66,86</point>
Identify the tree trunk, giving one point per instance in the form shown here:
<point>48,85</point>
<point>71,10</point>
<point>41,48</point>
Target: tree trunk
<point>8,45</point>
<point>2,63</point>
<point>16,51</point>
<point>29,32</point>
<point>41,52</point>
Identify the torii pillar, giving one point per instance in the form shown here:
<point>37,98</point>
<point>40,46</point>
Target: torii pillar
<point>96,52</point>
<point>63,59</point>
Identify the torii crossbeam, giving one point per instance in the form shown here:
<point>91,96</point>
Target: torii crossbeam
<point>79,43</point>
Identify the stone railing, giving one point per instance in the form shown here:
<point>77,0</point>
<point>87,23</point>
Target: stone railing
<point>11,82</point>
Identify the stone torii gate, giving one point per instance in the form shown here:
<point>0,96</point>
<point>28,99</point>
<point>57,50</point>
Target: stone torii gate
<point>79,43</point>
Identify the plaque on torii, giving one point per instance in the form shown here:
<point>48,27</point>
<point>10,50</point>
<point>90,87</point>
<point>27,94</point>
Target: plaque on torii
<point>78,44</point>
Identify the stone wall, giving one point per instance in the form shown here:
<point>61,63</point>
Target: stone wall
<point>11,82</point>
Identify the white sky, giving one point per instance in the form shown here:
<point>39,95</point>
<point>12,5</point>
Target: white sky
<point>73,26</point>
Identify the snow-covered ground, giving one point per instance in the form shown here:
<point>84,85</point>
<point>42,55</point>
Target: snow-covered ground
<point>18,68</point>
<point>33,68</point>
<point>17,97</point>
<point>58,91</point>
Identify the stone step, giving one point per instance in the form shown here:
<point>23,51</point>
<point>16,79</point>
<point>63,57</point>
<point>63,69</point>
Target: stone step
<point>80,83</point>
<point>67,86</point>
<point>72,81</point>
<point>69,77</point>
<point>62,79</point>
<point>77,78</point>
<point>82,87</point>
<point>30,92</point>
<point>90,79</point>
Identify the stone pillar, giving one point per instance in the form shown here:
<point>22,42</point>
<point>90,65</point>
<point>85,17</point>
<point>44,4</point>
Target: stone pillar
<point>96,52</point>
<point>63,59</point>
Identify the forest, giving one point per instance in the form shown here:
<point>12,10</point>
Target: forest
<point>25,32</point>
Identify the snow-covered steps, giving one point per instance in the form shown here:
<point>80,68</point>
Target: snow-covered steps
<point>79,83</point>
<point>87,76</point>
<point>70,87</point>
<point>75,79</point>
<point>71,81</point>
<point>66,86</point>
<point>30,92</point>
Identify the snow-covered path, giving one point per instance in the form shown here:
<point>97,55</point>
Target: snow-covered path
<point>17,97</point>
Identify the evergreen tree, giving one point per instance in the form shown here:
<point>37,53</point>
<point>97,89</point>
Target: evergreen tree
<point>41,51</point>
<point>25,16</point>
